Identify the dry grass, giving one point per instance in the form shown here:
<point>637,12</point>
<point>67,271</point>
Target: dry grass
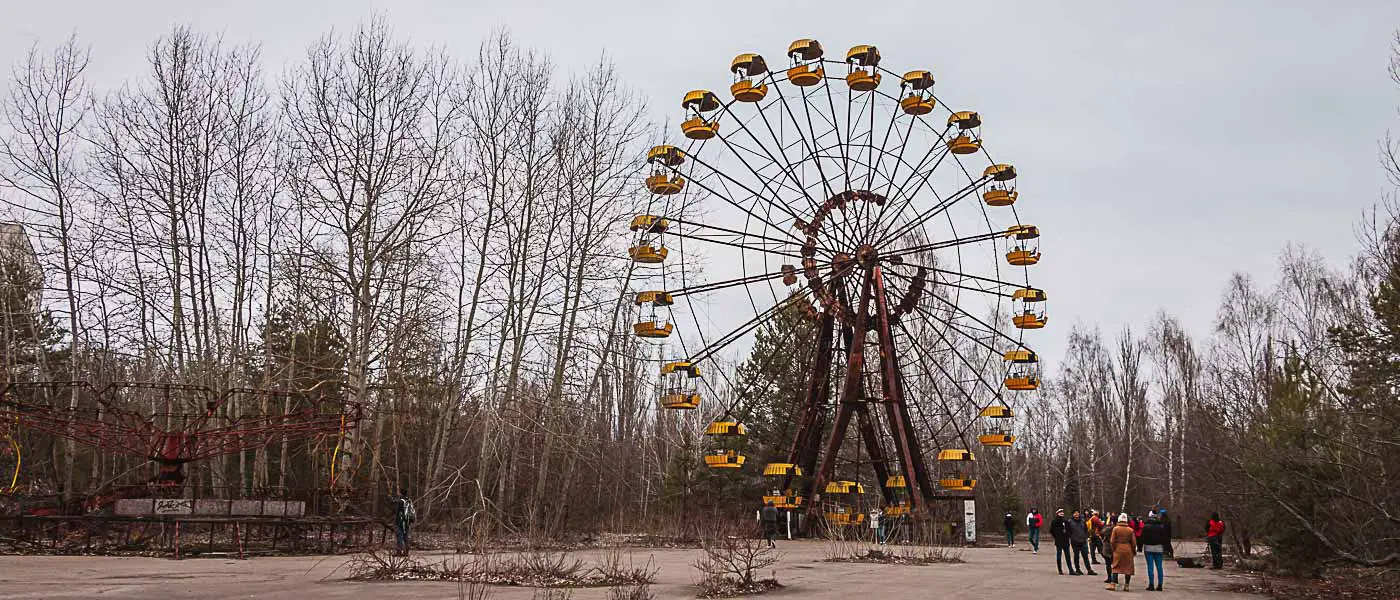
<point>532,569</point>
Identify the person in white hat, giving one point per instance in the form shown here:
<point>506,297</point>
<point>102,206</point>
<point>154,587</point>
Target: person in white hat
<point>1124,544</point>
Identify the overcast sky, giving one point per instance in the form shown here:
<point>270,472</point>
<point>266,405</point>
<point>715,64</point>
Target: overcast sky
<point>1161,146</point>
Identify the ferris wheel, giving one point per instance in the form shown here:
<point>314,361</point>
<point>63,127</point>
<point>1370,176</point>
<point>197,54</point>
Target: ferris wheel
<point>857,196</point>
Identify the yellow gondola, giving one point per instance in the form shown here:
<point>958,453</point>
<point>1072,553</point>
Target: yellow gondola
<point>954,470</point>
<point>1028,310</point>
<point>1023,370</point>
<point>863,61</point>
<point>653,325</point>
<point>784,499</point>
<point>1000,172</point>
<point>1023,254</point>
<point>782,470</point>
<point>747,68</point>
<point>727,433</point>
<point>696,103</point>
<point>968,140</point>
<point>661,181</point>
<point>649,248</point>
<point>680,388</point>
<point>919,100</point>
<point>844,487</point>
<point>806,69</point>
<point>663,184</point>
<point>724,459</point>
<point>996,431</point>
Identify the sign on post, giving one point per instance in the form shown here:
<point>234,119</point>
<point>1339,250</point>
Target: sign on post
<point>970,521</point>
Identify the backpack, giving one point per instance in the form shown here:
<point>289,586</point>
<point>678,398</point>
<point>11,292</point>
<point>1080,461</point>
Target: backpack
<point>410,514</point>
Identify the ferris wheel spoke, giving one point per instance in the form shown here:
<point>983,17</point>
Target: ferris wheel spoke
<point>878,159</point>
<point>739,395</point>
<point>965,404</point>
<point>973,239</point>
<point>741,246</point>
<point>994,390</point>
<point>1018,343</point>
<point>836,128</point>
<point>996,282</point>
<point>933,380</point>
<point>934,210</point>
<point>738,151</point>
<point>954,307</point>
<point>809,147</point>
<point>844,231</point>
<point>747,327</point>
<point>842,227</point>
<point>725,179</point>
<point>784,166</point>
<point>719,285</point>
<point>734,232</point>
<point>942,153</point>
<point>736,204</point>
<point>951,326</point>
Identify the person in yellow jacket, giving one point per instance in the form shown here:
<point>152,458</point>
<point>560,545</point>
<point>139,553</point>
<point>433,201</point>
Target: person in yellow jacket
<point>1096,531</point>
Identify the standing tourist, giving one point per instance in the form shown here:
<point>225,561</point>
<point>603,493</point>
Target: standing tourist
<point>404,515</point>
<point>1095,536</point>
<point>1010,525</point>
<point>1156,541</point>
<point>1059,531</point>
<point>769,516</point>
<point>1215,534</point>
<point>1107,550</point>
<point>1033,522</point>
<point>1079,543</point>
<point>1124,544</point>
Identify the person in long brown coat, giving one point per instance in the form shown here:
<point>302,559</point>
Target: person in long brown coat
<point>1124,544</point>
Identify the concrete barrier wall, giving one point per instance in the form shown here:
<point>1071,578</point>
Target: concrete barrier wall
<point>145,507</point>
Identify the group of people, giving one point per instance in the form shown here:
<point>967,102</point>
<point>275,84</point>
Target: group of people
<point>1085,535</point>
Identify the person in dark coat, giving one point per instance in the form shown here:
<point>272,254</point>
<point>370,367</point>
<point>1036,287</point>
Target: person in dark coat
<point>1107,550</point>
<point>404,516</point>
<point>1010,525</point>
<point>1059,530</point>
<point>1156,541</point>
<point>1167,522</point>
<point>769,515</point>
<point>1079,543</point>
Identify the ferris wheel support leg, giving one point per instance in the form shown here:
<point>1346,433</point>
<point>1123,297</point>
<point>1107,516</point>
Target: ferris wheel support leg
<point>905,442</point>
<point>866,424</point>
<point>807,443</point>
<point>850,389</point>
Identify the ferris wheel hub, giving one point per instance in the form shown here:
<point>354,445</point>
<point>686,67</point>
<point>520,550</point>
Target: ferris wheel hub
<point>867,255</point>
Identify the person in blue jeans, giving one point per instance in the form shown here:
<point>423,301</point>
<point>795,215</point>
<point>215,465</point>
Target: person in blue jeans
<point>404,516</point>
<point>1033,522</point>
<point>1155,542</point>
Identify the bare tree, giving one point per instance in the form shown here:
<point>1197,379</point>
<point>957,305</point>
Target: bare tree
<point>39,159</point>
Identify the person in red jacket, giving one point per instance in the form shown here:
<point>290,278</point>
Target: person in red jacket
<point>1033,523</point>
<point>1215,534</point>
<point>1136,524</point>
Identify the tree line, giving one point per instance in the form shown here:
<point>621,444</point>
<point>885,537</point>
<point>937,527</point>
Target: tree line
<point>436,239</point>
